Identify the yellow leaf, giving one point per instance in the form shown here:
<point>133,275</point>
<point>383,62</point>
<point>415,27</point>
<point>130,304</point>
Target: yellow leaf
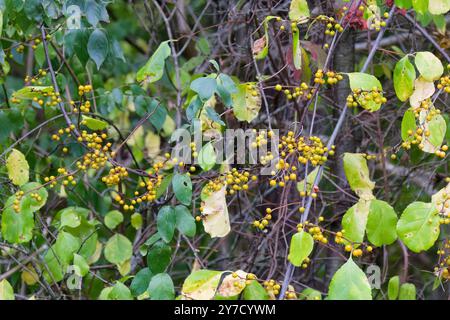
<point>231,286</point>
<point>29,275</point>
<point>215,211</point>
<point>18,169</point>
<point>246,101</point>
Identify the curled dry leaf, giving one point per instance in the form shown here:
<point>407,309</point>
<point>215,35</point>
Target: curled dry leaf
<point>215,211</point>
<point>259,45</point>
<point>422,90</point>
<point>229,288</point>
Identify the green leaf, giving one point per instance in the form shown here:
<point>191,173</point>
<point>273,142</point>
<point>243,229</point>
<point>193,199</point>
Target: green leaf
<point>365,82</point>
<point>70,218</point>
<point>166,222</point>
<point>357,173</point>
<point>301,246</point>
<point>65,246</point>
<point>158,257</point>
<point>185,222</point>
<point>310,294</point>
<point>153,70</point>
<point>161,287</point>
<point>18,168</point>
<point>393,287</point>
<point>97,47</point>
<point>404,4</point>
<point>204,86</point>
<point>201,284</point>
<point>437,127</point>
<point>31,92</point>
<point>408,124</point>
<point>136,220</point>
<point>17,227</point>
<point>255,291</point>
<point>182,187</point>
<point>349,283</point>
<point>118,292</point>
<point>33,203</point>
<point>407,292</point>
<point>207,157</point>
<point>404,76</point>
<point>354,221</point>
<point>246,101</point>
<point>141,281</point>
<point>418,226</point>
<point>381,223</point>
<point>299,11</point>
<point>438,6</point>
<point>421,6</point>
<point>118,249</point>
<point>113,219</point>
<point>429,66</point>
<point>81,264</point>
<point>94,124</point>
<point>6,291</point>
<point>296,49</point>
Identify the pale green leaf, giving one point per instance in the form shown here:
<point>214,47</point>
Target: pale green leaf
<point>207,157</point>
<point>418,226</point>
<point>404,76</point>
<point>357,173</point>
<point>18,168</point>
<point>299,11</point>
<point>301,246</point>
<point>246,101</point>
<point>118,249</point>
<point>113,219</point>
<point>429,66</point>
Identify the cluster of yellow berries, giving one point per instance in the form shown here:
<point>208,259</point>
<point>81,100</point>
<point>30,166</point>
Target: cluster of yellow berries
<point>97,158</point>
<point>332,26</point>
<point>84,107</point>
<point>272,286</point>
<point>57,136</point>
<point>363,97</point>
<point>248,279</point>
<point>84,89</point>
<point>62,172</point>
<point>376,23</point>
<point>37,41</point>
<point>20,48</point>
<point>115,175</point>
<point>331,77</point>
<point>235,180</point>
<point>302,91</point>
<point>443,205</point>
<point>16,204</point>
<point>37,78</point>
<point>307,149</point>
<point>147,195</point>
<point>444,261</point>
<point>260,139</point>
<point>264,222</point>
<point>444,82</point>
<point>340,239</point>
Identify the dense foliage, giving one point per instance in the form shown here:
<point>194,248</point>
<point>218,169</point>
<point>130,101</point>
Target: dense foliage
<point>97,201</point>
